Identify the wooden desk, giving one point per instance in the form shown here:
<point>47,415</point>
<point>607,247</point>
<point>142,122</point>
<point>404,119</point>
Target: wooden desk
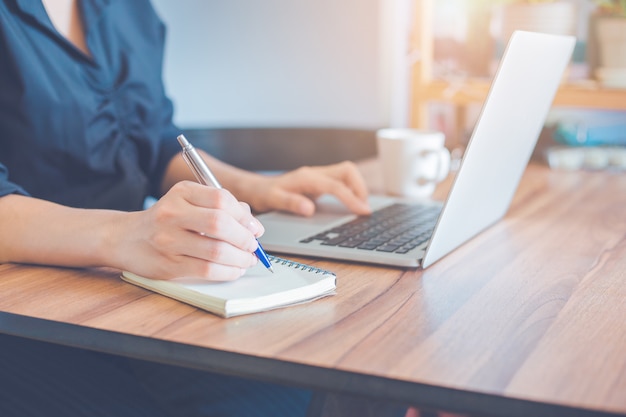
<point>528,319</point>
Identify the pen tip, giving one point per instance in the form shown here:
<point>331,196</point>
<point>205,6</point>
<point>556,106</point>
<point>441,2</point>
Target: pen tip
<point>183,140</point>
<point>271,269</point>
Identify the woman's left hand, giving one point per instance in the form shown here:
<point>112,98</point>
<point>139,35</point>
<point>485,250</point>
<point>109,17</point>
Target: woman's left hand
<point>295,191</point>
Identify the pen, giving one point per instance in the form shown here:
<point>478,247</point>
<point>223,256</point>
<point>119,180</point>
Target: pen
<point>204,176</point>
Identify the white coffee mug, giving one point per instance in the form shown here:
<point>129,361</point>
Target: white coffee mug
<point>413,161</point>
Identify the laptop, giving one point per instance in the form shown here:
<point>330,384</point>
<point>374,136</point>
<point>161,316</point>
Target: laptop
<point>496,156</point>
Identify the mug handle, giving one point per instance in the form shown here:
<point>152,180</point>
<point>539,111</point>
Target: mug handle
<point>442,156</point>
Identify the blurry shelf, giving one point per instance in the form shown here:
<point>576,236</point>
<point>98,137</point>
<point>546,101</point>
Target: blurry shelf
<point>586,95</point>
<point>591,97</point>
<point>461,92</point>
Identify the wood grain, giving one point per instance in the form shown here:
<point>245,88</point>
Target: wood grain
<point>533,309</point>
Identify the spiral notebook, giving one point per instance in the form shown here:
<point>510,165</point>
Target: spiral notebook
<point>257,290</point>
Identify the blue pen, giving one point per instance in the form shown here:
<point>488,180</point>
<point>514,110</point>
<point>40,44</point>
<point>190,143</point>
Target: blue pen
<point>204,175</point>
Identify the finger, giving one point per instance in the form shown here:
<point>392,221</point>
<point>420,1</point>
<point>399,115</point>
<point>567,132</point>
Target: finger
<point>209,197</point>
<point>176,240</point>
<point>215,213</point>
<point>194,245</point>
<point>221,225</point>
<point>348,173</point>
<point>254,225</point>
<point>292,202</point>
<point>219,252</point>
<point>329,185</point>
<point>210,271</point>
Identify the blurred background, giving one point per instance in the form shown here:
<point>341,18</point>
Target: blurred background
<point>319,72</point>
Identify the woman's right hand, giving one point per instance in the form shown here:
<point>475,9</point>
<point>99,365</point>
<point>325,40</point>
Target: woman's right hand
<point>193,230</point>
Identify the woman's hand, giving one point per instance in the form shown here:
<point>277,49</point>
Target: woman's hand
<point>193,230</point>
<point>295,191</point>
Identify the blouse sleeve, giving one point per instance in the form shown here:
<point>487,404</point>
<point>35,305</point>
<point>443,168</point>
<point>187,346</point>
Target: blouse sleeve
<point>6,186</point>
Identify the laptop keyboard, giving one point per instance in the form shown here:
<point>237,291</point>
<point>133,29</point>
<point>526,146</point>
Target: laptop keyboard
<point>396,228</point>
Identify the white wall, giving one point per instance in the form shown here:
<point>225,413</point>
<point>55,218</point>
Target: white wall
<point>234,63</point>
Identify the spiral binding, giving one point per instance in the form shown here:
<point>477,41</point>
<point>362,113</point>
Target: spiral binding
<point>297,265</point>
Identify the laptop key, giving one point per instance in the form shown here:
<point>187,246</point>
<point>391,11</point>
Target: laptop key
<point>334,241</point>
<point>351,243</point>
<point>388,248</point>
<point>396,228</point>
<point>368,246</point>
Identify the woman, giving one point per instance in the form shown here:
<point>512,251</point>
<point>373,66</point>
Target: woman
<point>86,134</point>
<point>85,123</point>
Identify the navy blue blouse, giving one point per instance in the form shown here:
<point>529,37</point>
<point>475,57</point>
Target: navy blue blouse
<point>84,131</point>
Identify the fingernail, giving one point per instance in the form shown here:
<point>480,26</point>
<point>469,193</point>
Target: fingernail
<point>254,226</point>
<point>307,208</point>
<point>253,245</point>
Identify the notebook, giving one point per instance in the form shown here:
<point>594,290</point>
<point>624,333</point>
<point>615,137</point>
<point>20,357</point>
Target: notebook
<point>496,156</point>
<point>257,290</point>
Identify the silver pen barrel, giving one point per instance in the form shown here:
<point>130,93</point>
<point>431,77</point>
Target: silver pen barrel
<point>202,173</point>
